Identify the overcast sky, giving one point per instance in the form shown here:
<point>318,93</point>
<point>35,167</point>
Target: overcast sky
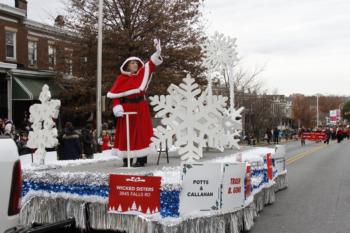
<point>303,44</point>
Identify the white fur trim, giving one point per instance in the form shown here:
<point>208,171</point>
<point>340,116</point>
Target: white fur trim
<point>133,153</point>
<point>133,91</point>
<point>145,78</point>
<point>118,110</point>
<point>126,61</point>
<point>122,94</point>
<point>149,80</point>
<point>156,59</point>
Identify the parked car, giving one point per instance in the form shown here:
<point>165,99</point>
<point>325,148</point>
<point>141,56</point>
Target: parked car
<point>11,192</point>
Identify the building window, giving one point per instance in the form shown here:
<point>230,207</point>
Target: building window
<point>32,53</point>
<point>69,61</point>
<point>10,45</point>
<point>69,66</point>
<point>52,57</point>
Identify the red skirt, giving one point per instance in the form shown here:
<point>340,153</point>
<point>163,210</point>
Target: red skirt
<point>141,131</point>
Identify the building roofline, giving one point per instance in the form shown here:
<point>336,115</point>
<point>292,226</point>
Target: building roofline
<point>31,24</point>
<point>12,10</point>
<point>34,25</point>
<point>5,65</point>
<point>32,73</point>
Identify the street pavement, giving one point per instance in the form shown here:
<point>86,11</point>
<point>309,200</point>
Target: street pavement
<point>318,196</point>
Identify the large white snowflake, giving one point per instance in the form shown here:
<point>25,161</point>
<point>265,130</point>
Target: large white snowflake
<point>44,134</point>
<point>191,119</point>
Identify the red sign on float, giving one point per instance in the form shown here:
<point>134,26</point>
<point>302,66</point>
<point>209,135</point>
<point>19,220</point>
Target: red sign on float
<point>314,136</point>
<point>134,194</point>
<point>269,166</point>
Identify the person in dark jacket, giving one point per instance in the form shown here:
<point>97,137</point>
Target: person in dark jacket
<point>328,135</point>
<point>22,144</point>
<point>2,127</point>
<point>70,143</point>
<point>268,136</point>
<point>276,134</point>
<point>88,141</point>
<point>339,134</point>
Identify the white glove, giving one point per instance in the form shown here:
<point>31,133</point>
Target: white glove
<point>156,43</point>
<point>156,58</point>
<point>118,111</point>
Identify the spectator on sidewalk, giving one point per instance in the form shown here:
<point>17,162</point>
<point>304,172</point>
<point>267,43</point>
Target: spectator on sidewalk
<point>22,144</point>
<point>247,139</point>
<point>87,142</point>
<point>339,134</point>
<point>2,127</point>
<point>328,135</point>
<point>9,130</point>
<point>301,132</point>
<point>276,134</point>
<point>106,141</point>
<point>268,136</point>
<point>70,143</point>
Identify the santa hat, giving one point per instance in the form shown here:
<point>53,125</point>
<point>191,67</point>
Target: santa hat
<point>123,67</point>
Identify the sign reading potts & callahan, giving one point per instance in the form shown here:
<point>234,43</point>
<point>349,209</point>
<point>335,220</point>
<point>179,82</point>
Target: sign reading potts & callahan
<point>201,187</point>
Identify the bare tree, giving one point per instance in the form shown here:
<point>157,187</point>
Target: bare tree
<point>129,29</point>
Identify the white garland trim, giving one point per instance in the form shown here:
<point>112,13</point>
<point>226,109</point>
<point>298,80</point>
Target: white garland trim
<point>133,153</point>
<point>133,91</point>
<point>156,59</point>
<point>126,61</point>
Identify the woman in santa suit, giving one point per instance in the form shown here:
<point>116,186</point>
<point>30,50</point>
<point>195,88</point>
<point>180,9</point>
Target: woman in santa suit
<point>128,94</point>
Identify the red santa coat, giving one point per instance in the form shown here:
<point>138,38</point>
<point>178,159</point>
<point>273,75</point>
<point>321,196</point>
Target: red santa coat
<point>126,89</point>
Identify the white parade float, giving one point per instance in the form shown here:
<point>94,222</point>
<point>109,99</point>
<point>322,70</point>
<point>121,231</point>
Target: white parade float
<point>217,192</point>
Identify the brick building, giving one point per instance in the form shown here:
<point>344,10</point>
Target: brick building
<point>31,54</point>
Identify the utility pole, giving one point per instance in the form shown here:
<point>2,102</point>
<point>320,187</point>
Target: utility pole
<point>318,112</point>
<point>99,71</point>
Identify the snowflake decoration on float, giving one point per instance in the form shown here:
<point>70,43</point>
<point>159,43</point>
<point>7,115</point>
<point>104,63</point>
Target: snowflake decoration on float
<point>232,127</point>
<point>190,118</point>
<point>219,52</point>
<point>44,134</point>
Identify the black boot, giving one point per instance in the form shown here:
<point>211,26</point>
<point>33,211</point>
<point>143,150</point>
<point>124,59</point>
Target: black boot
<point>140,162</point>
<point>125,162</point>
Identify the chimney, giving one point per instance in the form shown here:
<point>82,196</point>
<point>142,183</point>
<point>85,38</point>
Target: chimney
<point>21,4</point>
<point>59,21</point>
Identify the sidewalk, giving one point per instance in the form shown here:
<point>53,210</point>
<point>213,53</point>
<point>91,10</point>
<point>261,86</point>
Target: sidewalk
<point>264,143</point>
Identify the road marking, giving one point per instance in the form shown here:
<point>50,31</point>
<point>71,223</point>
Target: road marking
<point>301,155</point>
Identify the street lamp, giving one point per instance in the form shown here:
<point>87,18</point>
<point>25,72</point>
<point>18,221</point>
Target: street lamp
<point>99,71</point>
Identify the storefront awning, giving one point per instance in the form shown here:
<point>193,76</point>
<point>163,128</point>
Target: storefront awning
<point>25,88</point>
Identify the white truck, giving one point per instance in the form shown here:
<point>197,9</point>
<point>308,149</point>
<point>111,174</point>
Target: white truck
<point>11,192</point>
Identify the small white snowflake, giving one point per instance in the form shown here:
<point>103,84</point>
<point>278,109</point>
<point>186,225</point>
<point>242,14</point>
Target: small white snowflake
<point>190,119</point>
<point>44,134</point>
<point>232,127</point>
<point>219,52</point>
<point>220,57</point>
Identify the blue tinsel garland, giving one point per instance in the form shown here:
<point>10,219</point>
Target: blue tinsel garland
<point>169,200</point>
<point>169,203</point>
<point>82,190</point>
